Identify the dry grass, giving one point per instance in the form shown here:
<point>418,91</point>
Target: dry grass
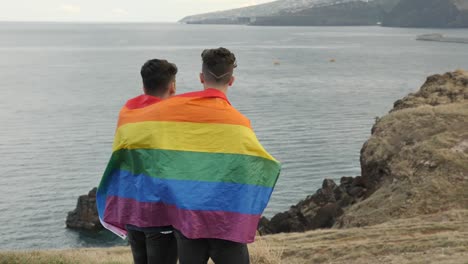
<point>118,255</point>
<point>263,252</point>
<point>438,238</point>
<point>424,157</point>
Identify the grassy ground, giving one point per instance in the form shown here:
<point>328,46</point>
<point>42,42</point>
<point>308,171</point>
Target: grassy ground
<point>438,238</point>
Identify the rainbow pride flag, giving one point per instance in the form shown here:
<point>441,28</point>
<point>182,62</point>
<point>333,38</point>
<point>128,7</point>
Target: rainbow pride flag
<point>192,162</point>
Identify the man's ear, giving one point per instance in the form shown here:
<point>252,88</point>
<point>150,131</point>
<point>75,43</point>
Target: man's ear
<point>231,82</point>
<point>202,78</point>
<point>173,89</point>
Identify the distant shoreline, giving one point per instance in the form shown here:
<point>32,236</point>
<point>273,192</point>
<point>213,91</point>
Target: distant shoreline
<point>441,38</point>
<point>89,22</point>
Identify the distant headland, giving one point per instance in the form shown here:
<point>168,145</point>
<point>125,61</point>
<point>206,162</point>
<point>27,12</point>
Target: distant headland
<point>390,13</point>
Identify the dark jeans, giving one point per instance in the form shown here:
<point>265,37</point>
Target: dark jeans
<point>198,251</point>
<point>153,247</point>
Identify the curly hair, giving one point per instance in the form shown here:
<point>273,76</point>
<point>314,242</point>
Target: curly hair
<point>218,65</point>
<point>157,75</point>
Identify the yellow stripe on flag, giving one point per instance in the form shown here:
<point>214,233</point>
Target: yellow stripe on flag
<point>186,136</point>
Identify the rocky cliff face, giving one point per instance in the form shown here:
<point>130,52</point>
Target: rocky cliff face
<point>438,90</point>
<point>319,210</point>
<point>429,13</point>
<point>415,163</point>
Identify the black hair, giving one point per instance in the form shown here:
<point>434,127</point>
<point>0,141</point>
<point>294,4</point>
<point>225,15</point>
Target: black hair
<point>218,65</point>
<point>157,75</point>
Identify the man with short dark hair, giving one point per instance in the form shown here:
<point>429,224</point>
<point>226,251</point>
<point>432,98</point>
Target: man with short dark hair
<point>223,239</point>
<point>150,244</point>
<point>154,245</point>
<point>218,69</point>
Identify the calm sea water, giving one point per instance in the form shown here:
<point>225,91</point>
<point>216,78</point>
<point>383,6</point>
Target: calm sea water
<point>61,86</point>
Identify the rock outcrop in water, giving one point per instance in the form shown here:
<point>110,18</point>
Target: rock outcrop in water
<point>85,216</point>
<point>415,163</point>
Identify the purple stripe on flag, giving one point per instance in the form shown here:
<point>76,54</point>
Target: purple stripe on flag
<point>235,227</point>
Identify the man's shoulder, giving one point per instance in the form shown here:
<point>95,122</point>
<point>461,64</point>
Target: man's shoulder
<point>241,116</point>
<point>141,101</point>
<point>202,107</point>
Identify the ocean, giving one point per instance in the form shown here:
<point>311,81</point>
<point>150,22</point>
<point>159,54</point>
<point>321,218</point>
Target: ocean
<point>312,94</point>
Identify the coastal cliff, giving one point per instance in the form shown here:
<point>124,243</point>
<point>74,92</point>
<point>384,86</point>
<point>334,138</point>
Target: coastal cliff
<point>415,163</point>
<point>416,160</point>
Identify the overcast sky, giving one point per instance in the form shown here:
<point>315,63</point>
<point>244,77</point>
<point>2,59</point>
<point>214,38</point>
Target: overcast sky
<point>112,10</point>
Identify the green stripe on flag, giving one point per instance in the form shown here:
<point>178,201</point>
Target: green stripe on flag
<point>197,166</point>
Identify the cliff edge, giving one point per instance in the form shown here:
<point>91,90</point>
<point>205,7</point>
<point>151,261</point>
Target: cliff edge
<point>415,163</point>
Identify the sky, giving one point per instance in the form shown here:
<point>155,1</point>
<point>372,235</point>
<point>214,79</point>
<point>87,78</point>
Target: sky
<point>113,10</point>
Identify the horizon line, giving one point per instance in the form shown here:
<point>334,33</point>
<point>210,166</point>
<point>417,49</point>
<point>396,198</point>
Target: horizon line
<point>91,21</point>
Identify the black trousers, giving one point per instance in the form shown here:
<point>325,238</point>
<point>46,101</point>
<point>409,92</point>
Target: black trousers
<point>199,251</point>
<point>153,247</point>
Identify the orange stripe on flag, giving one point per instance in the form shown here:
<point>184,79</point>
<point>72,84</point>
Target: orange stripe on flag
<point>186,109</point>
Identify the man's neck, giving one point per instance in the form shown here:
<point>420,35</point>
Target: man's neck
<point>154,95</point>
<point>222,89</point>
